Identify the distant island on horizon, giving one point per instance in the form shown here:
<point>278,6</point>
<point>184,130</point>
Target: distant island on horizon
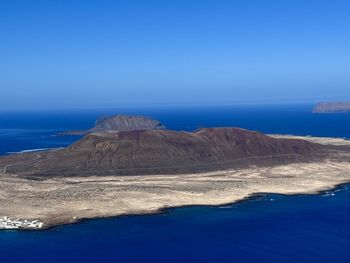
<point>332,107</point>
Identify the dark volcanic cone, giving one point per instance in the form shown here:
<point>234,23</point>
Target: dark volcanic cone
<point>162,151</point>
<point>119,123</point>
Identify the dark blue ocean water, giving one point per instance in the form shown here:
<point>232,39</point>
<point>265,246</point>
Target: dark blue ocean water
<point>268,228</point>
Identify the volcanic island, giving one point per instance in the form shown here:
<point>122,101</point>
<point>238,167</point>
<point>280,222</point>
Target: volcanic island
<point>332,107</point>
<point>134,165</point>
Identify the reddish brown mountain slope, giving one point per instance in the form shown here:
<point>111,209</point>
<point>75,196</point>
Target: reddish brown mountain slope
<point>163,151</point>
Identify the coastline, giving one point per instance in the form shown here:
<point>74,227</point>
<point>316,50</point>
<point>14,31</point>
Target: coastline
<point>67,200</point>
<point>50,223</point>
<point>335,141</point>
<point>169,208</point>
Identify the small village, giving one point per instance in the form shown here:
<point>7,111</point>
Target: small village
<point>8,223</point>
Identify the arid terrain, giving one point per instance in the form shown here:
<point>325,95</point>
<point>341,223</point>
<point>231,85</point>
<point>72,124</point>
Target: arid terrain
<point>61,199</point>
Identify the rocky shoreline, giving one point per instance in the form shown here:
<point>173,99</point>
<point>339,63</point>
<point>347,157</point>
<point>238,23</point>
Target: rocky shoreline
<point>10,223</point>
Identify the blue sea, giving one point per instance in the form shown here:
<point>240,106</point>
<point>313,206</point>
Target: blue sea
<point>267,228</point>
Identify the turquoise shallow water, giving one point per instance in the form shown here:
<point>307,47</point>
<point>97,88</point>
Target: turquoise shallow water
<point>266,228</point>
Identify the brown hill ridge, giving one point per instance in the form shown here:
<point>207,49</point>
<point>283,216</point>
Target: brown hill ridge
<point>162,152</point>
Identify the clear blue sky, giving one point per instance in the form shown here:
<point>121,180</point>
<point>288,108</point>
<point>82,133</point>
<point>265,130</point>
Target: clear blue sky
<point>71,54</point>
